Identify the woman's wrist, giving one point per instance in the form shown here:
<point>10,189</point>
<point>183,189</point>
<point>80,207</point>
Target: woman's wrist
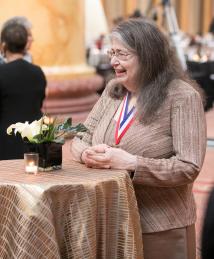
<point>133,163</point>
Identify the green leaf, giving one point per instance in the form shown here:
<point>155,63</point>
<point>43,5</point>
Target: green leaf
<point>59,140</point>
<point>81,128</point>
<point>78,128</point>
<point>65,125</point>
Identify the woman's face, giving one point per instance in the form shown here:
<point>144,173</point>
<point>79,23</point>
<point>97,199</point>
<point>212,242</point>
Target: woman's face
<point>125,64</point>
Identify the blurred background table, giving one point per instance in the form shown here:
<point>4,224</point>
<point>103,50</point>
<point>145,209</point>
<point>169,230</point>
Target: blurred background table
<point>74,212</point>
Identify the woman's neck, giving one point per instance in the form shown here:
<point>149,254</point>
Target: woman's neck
<point>13,56</point>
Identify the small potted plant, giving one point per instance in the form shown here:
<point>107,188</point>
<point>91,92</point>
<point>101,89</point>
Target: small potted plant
<point>46,137</point>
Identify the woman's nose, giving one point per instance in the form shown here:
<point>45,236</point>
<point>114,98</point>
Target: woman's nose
<point>114,61</point>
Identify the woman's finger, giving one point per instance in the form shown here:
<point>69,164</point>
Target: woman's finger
<point>94,163</point>
<point>99,158</point>
<point>101,166</point>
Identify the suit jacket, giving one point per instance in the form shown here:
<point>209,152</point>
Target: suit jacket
<point>22,90</point>
<point>170,153</point>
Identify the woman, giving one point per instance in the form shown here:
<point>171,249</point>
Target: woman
<point>150,121</point>
<point>22,89</point>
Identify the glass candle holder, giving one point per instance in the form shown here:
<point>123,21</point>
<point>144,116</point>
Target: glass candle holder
<point>31,162</point>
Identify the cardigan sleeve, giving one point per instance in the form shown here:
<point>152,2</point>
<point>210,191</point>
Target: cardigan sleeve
<point>79,145</point>
<point>188,129</point>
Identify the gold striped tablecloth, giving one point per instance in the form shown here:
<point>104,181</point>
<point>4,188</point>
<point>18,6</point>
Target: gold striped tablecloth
<point>75,213</point>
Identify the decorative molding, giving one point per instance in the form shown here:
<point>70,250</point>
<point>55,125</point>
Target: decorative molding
<point>67,72</point>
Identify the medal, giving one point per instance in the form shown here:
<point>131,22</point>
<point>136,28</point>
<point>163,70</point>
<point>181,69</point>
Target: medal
<point>125,120</point>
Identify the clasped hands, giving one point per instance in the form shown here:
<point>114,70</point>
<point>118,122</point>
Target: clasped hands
<point>104,156</point>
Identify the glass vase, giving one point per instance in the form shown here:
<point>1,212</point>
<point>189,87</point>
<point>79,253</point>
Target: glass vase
<point>50,154</point>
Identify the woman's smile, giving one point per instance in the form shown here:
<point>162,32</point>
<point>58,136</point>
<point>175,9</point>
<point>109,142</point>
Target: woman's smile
<point>120,72</point>
<point>125,64</point>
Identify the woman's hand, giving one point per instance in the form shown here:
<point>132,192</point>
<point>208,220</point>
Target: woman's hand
<point>103,156</point>
<point>90,162</point>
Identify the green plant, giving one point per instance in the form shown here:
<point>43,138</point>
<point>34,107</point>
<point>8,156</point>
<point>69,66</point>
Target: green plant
<point>47,129</point>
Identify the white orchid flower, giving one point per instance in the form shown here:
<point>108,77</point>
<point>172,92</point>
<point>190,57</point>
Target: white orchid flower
<point>33,129</point>
<point>27,130</point>
<point>17,126</point>
<point>10,128</point>
<point>44,130</point>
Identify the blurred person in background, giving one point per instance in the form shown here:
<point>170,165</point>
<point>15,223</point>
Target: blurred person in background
<point>211,26</point>
<point>22,20</point>
<point>136,14</point>
<point>22,88</point>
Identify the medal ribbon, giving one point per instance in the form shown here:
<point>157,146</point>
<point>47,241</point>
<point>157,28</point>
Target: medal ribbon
<point>125,120</point>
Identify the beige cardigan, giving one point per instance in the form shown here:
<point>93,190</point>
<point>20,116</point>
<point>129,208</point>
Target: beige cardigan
<point>170,154</point>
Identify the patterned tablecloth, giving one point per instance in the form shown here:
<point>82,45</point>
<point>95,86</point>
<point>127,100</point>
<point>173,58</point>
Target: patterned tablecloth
<point>75,212</point>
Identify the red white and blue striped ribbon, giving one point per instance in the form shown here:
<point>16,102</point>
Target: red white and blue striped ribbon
<point>125,120</point>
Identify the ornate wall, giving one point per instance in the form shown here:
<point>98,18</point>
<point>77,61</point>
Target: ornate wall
<point>58,31</point>
<point>59,47</point>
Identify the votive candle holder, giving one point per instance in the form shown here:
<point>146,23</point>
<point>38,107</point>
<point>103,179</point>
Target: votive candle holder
<point>31,161</point>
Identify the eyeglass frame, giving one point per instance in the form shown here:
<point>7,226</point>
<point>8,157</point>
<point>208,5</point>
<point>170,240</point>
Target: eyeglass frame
<point>119,54</point>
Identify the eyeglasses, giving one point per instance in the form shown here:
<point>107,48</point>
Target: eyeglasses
<point>121,55</point>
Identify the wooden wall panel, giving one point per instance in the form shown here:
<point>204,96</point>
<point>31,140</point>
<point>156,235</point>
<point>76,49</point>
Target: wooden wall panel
<point>184,14</point>
<point>207,14</point>
<point>130,6</point>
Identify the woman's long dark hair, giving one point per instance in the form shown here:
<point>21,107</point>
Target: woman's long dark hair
<point>158,64</point>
